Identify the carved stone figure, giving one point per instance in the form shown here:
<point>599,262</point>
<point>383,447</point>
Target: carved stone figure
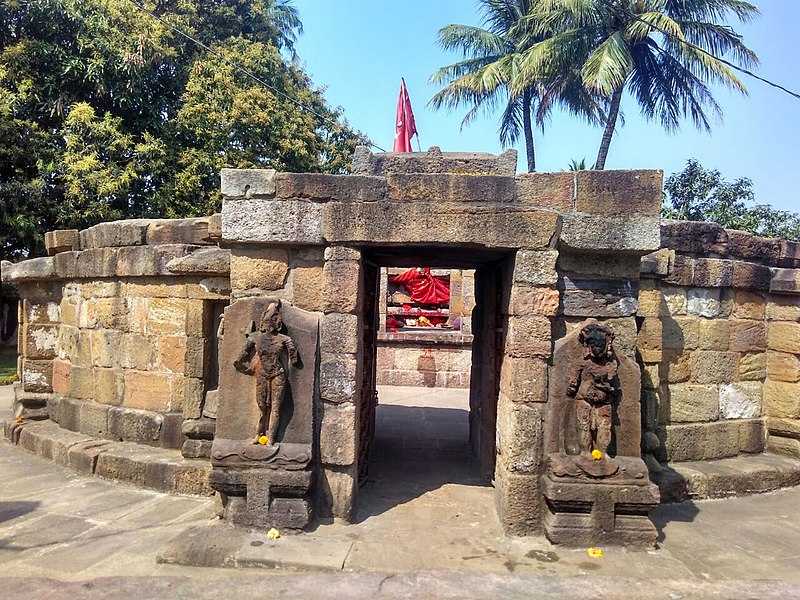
<point>262,357</point>
<point>595,386</point>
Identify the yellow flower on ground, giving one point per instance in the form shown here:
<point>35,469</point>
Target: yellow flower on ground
<point>263,440</point>
<point>595,552</point>
<point>273,534</point>
<point>596,454</point>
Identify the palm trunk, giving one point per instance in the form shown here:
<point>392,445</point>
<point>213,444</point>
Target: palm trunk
<point>526,126</point>
<point>611,123</point>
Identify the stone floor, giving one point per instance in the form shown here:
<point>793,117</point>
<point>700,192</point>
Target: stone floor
<point>416,516</point>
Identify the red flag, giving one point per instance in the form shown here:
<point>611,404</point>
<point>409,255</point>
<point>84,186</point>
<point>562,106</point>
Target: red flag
<point>405,127</point>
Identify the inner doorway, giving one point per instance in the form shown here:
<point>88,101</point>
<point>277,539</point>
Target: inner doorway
<point>433,445</point>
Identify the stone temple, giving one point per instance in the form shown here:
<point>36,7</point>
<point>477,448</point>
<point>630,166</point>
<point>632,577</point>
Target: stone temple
<point>617,360</point>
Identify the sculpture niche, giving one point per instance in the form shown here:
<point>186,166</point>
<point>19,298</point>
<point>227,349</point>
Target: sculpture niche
<point>261,357</point>
<point>596,485</point>
<point>262,451</point>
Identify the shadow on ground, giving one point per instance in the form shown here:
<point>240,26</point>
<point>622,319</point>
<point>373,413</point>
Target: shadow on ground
<point>416,450</point>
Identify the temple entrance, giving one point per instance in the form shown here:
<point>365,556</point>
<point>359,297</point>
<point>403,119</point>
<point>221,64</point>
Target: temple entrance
<point>431,372</point>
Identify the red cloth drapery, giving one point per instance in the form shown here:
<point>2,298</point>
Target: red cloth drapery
<point>404,125</point>
<point>423,287</point>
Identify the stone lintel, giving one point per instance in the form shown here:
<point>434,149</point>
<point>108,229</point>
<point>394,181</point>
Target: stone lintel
<point>632,234</point>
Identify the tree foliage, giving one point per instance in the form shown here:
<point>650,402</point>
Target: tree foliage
<point>106,112</point>
<point>700,194</point>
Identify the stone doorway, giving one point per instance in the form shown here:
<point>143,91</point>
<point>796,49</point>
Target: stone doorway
<point>414,440</point>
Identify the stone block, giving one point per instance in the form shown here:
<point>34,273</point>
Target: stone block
<point>341,286</point>
<point>81,382</point>
<point>789,428</point>
<point>272,221</point>
<point>752,436</point>
<point>337,490</point>
<point>783,309</point>
<point>137,351</point>
<point>109,386</point>
<point>130,425</point>
<point>339,333</point>
<point>694,237</point>
<point>66,264</point>
<point>520,433</point>
<point>93,419</point>
<point>599,297</point>
<point>166,316</point>
<point>39,341</point>
<point>60,379</point>
<point>115,233</point>
<point>203,261</point>
<point>533,267</point>
<point>619,192</point>
<point>524,379</point>
<point>745,245</point>
<point>434,161</point>
<point>308,287</point>
<point>439,223</point>
<point>106,345</point>
<point>689,403</point>
<point>450,188</point>
<point>341,253</point>
<point>704,302</point>
<point>62,240</point>
<point>37,375</point>
<point>657,263</point>
<point>196,448</point>
<point>784,446</point>
<point>712,273</point>
<point>741,400</point>
<point>193,395</point>
<point>518,502</point>
<point>338,378</point>
<point>700,441</point>
<point>784,337</point>
<point>527,301</point>
<point>28,270</point>
<point>651,302</point>
<point>681,271</point>
<point>749,305</point>
<point>782,399</point>
<point>748,335</point>
<point>785,281</point>
<point>753,366</point>
<point>148,391</point>
<point>790,254</point>
<point>681,333</point>
<point>248,183</point>
<point>260,268</point>
<point>97,262</point>
<point>338,431</point>
<point>710,366</point>
<point>638,234</point>
<point>751,276</point>
<point>782,366</point>
<point>179,231</point>
<point>528,337</point>
<point>714,334</point>
<point>324,187</point>
<point>555,191</point>
<point>676,368</point>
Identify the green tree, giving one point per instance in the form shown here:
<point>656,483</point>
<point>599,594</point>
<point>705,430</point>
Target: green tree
<point>106,112</point>
<point>488,74</point>
<point>639,46</point>
<point>700,194</point>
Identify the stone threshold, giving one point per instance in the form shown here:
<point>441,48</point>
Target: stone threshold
<point>148,467</point>
<point>738,476</point>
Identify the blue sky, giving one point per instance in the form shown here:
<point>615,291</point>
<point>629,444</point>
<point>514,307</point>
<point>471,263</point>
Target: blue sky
<point>359,49</point>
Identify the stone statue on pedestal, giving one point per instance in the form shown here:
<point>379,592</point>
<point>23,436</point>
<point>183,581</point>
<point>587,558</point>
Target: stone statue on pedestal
<point>261,357</point>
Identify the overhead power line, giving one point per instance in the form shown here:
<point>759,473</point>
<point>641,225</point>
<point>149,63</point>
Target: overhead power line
<point>247,72</point>
<point>706,52</point>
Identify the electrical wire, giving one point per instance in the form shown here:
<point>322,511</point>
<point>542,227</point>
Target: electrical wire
<point>247,72</point>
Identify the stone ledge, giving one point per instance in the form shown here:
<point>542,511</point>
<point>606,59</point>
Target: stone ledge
<point>144,466</point>
<point>434,161</point>
<point>738,476</point>
<point>434,338</point>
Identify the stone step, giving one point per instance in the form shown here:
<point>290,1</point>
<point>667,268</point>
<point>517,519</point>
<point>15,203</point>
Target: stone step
<point>159,469</point>
<point>742,475</point>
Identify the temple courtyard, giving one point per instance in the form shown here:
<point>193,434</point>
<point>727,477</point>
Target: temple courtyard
<point>426,525</point>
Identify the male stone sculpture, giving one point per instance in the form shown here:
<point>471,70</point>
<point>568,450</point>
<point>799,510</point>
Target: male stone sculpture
<point>595,386</point>
<point>261,356</point>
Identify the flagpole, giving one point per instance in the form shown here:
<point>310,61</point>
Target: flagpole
<point>419,145</point>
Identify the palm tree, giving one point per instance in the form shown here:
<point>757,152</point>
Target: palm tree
<point>488,74</point>
<point>660,51</point>
<point>577,165</point>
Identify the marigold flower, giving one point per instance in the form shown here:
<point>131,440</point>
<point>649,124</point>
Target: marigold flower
<point>596,454</point>
<point>263,440</point>
<point>273,534</point>
<point>595,552</point>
